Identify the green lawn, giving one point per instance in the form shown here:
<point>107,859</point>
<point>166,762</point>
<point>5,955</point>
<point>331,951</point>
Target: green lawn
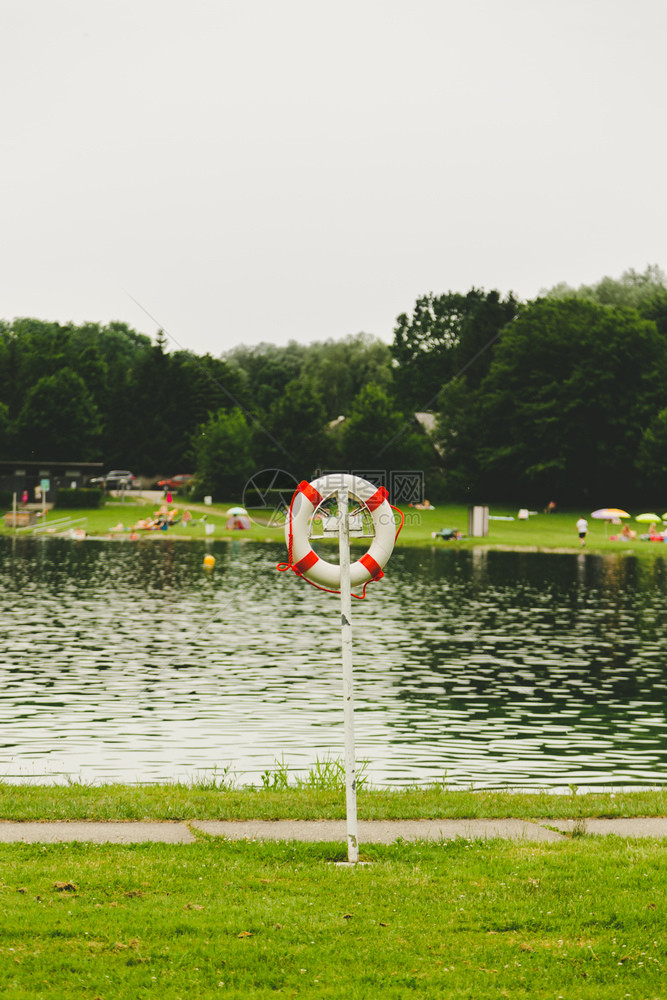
<point>179,801</point>
<point>540,532</point>
<point>582,919</point>
<point>115,519</point>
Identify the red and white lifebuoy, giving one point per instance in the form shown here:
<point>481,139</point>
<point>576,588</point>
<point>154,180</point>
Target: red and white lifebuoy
<point>305,562</point>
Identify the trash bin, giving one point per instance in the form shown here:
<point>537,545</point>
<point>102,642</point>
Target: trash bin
<point>478,522</point>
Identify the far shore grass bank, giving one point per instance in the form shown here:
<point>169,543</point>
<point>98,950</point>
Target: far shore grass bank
<point>180,801</point>
<point>540,532</point>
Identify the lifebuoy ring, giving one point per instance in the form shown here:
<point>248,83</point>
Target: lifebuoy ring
<point>305,562</point>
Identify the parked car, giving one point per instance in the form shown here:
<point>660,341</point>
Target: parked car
<point>117,479</point>
<point>178,482</point>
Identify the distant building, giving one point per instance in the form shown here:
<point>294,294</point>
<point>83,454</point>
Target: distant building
<point>427,420</point>
<point>17,476</point>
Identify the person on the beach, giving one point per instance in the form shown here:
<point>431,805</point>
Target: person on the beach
<point>582,528</point>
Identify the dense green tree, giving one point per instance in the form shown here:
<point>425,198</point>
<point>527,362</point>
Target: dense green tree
<point>339,369</point>
<point>650,465</point>
<point>148,400</point>
<point>645,291</point>
<point>8,367</point>
<point>207,384</point>
<point>102,357</point>
<point>335,369</point>
<point>6,431</point>
<point>446,336</point>
<point>292,435</point>
<point>31,350</point>
<point>654,307</point>
<point>423,348</point>
<point>379,436</point>
<point>553,399</point>
<point>571,387</point>
<point>84,356</point>
<point>196,388</point>
<point>223,451</point>
<point>459,432</point>
<point>485,318</point>
<point>59,420</point>
<point>632,289</point>
<point>151,436</point>
<point>267,369</point>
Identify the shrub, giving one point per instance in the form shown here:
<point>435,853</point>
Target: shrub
<point>7,499</point>
<point>78,498</point>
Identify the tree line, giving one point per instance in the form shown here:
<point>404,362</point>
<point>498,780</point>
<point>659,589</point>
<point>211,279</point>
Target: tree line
<point>563,397</point>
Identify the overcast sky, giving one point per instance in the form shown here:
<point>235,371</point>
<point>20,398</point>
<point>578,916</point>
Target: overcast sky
<point>252,170</point>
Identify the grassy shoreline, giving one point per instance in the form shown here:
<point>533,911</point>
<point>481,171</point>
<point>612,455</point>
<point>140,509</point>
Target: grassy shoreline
<point>540,533</point>
<point>182,802</point>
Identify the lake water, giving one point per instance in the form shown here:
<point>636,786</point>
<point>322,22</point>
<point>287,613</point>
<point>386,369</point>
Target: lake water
<point>130,662</point>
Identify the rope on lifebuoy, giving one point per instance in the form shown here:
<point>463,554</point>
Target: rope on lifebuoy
<point>305,562</point>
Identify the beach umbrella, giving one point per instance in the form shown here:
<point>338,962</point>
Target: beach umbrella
<point>648,518</point>
<point>237,510</point>
<point>609,514</point>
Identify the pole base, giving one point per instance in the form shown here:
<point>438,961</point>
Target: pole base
<point>351,864</point>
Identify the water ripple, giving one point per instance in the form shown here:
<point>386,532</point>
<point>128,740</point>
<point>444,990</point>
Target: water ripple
<point>130,662</point>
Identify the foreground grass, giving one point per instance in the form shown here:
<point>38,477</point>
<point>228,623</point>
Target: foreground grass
<point>185,802</point>
<point>470,919</point>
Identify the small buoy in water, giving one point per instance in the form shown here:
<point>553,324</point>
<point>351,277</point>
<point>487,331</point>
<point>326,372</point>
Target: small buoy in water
<point>209,562</point>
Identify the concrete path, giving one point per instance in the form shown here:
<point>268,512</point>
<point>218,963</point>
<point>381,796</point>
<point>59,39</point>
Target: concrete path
<point>378,831</point>
<point>95,833</point>
<point>370,831</point>
<point>645,826</point>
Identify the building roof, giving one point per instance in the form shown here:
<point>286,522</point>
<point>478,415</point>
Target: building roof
<point>30,463</point>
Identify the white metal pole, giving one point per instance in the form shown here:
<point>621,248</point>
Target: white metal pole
<point>348,699</point>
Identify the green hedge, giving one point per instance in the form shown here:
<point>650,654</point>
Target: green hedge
<point>78,498</point>
<point>7,499</point>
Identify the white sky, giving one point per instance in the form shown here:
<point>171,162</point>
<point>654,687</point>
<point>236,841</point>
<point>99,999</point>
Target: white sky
<point>255,170</point>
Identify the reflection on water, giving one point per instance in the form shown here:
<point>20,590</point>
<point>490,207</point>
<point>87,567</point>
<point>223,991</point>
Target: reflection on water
<point>129,662</point>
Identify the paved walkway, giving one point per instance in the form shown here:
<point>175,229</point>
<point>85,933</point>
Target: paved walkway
<point>370,831</point>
